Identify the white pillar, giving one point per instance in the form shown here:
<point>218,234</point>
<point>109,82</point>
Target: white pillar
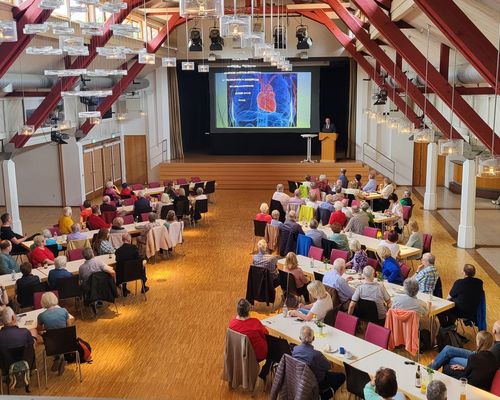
<point>430,202</point>
<point>10,192</point>
<point>467,228</point>
<point>448,172</point>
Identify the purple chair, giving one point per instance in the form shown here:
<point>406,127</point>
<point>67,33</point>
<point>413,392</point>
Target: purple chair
<point>152,185</point>
<point>75,254</point>
<point>338,254</point>
<point>128,202</point>
<point>37,298</point>
<point>315,252</point>
<point>427,243</point>
<point>377,334</point>
<point>145,216</point>
<point>109,216</point>
<point>369,231</point>
<point>137,186</point>
<point>405,270</point>
<point>128,219</point>
<point>181,181</point>
<point>55,231</point>
<point>373,263</point>
<point>346,322</point>
<point>195,179</point>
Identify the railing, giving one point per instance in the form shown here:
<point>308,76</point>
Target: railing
<point>378,161</point>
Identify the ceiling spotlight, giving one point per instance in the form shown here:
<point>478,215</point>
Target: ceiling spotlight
<point>58,137</point>
<point>216,39</point>
<point>380,97</point>
<point>195,42</point>
<point>304,42</point>
<point>279,38</point>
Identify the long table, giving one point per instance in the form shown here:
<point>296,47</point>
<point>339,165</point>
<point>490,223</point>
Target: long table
<point>438,305</point>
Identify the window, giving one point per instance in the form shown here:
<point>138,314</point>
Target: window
<point>152,32</point>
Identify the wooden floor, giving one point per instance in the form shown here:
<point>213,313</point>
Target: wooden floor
<point>171,347</point>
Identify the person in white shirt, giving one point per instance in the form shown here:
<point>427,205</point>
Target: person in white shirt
<point>319,308</point>
<point>395,208</point>
<point>392,244</point>
<point>280,196</point>
<point>387,189</point>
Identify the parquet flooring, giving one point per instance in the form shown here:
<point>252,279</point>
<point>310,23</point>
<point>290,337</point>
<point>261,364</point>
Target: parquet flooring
<point>171,347</point>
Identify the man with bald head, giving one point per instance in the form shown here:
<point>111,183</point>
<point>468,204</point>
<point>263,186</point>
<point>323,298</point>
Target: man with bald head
<point>328,381</point>
<point>11,336</point>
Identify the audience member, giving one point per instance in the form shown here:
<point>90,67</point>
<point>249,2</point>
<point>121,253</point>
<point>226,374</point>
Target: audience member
<point>112,191</point>
<point>117,226</point>
<point>356,183</point>
<point>196,215</point>
<point>292,225</point>
<point>334,278</point>
<point>264,214</point>
<point>329,382</point>
<point>126,192</point>
<point>395,209</point>
<point>337,194</point>
<point>7,262</point>
<point>315,234</point>
<point>322,184</point>
<point>467,294</point>
<point>312,201</point>
<point>106,205</point>
<point>181,204</point>
<point>372,291</point>
<point>4,299</point>
<point>76,233</point>
<point>371,185</point>
<point>408,300</point>
<point>11,335</point>
<point>496,346</point>
<point>275,214</point>
<point>359,259</point>
<point>41,255</point>
<point>25,285</point>
<point>307,181</point>
<point>406,199</point>
<point>301,281</point>
<point>338,216</point>
<point>141,206</point>
<point>50,240</point>
<point>328,203</point>
<point>383,386</point>
<point>436,390</point>
<point>390,267</point>
<point>319,308</point>
<point>169,190</point>
<point>340,239</point>
<point>387,189</point>
<point>280,196</point>
<point>95,221</point>
<point>416,238</point>
<point>343,178</point>
<point>86,211</point>
<point>315,191</point>
<point>101,244</point>
<point>427,274</point>
<point>6,233</point>
<point>127,252</point>
<point>92,265</point>
<point>265,260</point>
<point>358,221</point>
<point>65,221</point>
<point>171,218</point>
<point>58,272</point>
<point>391,243</point>
<point>296,200</point>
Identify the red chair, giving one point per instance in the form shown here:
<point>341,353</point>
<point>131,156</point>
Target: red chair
<point>109,216</point>
<point>427,243</point>
<point>128,219</point>
<point>377,334</point>
<point>373,263</point>
<point>128,202</point>
<point>167,181</point>
<point>407,213</point>
<point>55,231</point>
<point>369,231</point>
<point>195,179</point>
<point>137,186</point>
<point>144,216</point>
<point>405,270</point>
<point>338,254</point>
<point>355,203</point>
<point>181,181</point>
<point>346,322</point>
<point>315,252</point>
<point>37,298</point>
<point>495,385</point>
<point>75,254</point>
<point>386,235</point>
<point>152,185</point>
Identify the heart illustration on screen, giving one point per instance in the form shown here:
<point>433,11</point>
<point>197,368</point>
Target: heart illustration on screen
<point>266,99</point>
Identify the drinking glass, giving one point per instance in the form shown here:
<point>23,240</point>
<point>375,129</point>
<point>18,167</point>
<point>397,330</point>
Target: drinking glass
<point>463,388</point>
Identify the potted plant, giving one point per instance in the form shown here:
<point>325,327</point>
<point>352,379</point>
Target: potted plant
<point>320,324</point>
<point>326,261</point>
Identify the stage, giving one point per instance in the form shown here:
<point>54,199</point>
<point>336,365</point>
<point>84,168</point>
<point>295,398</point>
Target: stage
<point>255,172</point>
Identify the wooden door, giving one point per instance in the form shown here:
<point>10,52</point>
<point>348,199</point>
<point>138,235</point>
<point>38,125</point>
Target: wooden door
<point>420,165</point>
<point>107,162</point>
<point>88,170</point>
<point>117,164</point>
<point>136,158</point>
<point>98,169</point>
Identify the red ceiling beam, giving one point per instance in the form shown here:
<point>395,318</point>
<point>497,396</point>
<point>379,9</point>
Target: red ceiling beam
<point>413,91</point>
<point>465,36</point>
<point>347,43</point>
<point>54,97</point>
<point>444,60</point>
<point>27,13</point>
<point>132,73</point>
<point>436,82</point>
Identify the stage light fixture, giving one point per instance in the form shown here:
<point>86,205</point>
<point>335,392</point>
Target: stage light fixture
<point>58,137</point>
<point>304,41</point>
<point>216,39</point>
<point>201,8</point>
<point>195,41</point>
<point>279,38</point>
<point>380,97</point>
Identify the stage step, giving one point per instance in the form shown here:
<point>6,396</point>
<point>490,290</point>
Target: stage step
<point>253,176</point>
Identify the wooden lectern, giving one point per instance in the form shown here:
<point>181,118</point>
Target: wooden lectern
<point>328,146</point>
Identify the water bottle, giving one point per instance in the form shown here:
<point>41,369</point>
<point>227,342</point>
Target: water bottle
<point>13,275</point>
<point>312,262</point>
<point>285,311</point>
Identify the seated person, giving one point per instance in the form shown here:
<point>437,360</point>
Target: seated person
<point>41,255</point>
<point>171,218</point>
<point>467,294</point>
<point>4,299</point>
<point>141,206</point>
<point>315,234</point>
<point>169,190</point>
<point>372,291</point>
<point>58,272</point>
<point>181,204</point>
<point>265,260</point>
<point>338,216</point>
<point>296,200</point>
<point>383,386</point>
<point>328,381</point>
<point>117,226</point>
<point>319,308</point>
<point>406,199</point>
<point>392,244</point>
<point>127,252</point>
<point>101,244</point>
<point>65,221</point>
<point>275,214</point>
<point>106,205</point>
<point>436,390</point>
<point>301,281</point>
<point>26,285</point>
<point>408,300</point>
<point>86,211</point>
<point>395,209</point>
<point>76,233</point>
<point>281,196</point>
<point>315,191</point>
<point>7,262</point>
<point>338,237</point>
<point>126,192</point>
<point>371,185</point>
<point>312,201</point>
<point>6,233</point>
<point>427,274</point>
<point>359,259</point>
<point>291,224</point>
<point>416,238</point>
<point>481,366</point>
<point>92,265</point>
<point>387,189</point>
<point>11,335</point>
<point>50,240</point>
<point>112,191</point>
<point>334,278</point>
<point>328,203</point>
<point>307,181</point>
<point>356,183</point>
<point>358,221</point>
<point>390,267</point>
<point>322,184</point>
<point>337,195</point>
<point>264,214</point>
<point>95,221</point>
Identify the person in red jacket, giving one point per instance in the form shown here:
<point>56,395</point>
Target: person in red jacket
<point>264,214</point>
<point>95,221</point>
<point>41,255</point>
<point>338,216</point>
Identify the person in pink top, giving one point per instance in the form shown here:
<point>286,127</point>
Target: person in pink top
<point>301,281</point>
<point>264,214</point>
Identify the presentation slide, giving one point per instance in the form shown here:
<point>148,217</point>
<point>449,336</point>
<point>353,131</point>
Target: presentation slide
<point>261,100</point>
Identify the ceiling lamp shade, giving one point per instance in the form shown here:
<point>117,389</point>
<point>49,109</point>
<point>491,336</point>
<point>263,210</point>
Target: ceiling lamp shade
<point>261,48</point>
<point>121,116</point>
<point>251,39</point>
<point>147,58</point>
<point>187,66</point>
<point>89,114</point>
<point>489,167</point>
<point>87,93</point>
<point>77,50</point>
<point>62,73</point>
<point>8,31</point>
<point>88,2</point>
<point>287,68</point>
<point>124,30</point>
<point>381,119</point>
<point>114,7</point>
<point>50,4</point>
<point>64,125</point>
<point>169,62</point>
<point>405,128</point>
<point>67,41</point>
<point>80,8</point>
<point>112,53</point>
<point>392,123</point>
<point>449,147</point>
<point>27,130</point>
<point>203,68</point>
<point>423,135</point>
<point>235,25</point>
<point>33,29</point>
<point>95,120</point>
<point>107,72</point>
<point>201,8</point>
<point>44,51</point>
<point>92,28</point>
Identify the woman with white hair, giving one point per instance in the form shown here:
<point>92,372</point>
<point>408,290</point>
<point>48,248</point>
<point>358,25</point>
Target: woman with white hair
<point>49,240</point>
<point>359,259</point>
<point>58,272</point>
<point>265,260</point>
<point>263,215</point>
<point>41,255</point>
<point>54,317</point>
<point>408,300</point>
<point>390,267</point>
<point>319,308</point>
<point>338,215</point>
<point>65,221</point>
<point>112,191</point>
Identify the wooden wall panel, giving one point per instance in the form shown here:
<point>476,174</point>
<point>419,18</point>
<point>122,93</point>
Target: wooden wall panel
<point>117,163</point>
<point>98,169</point>
<point>420,165</point>
<point>481,182</point>
<point>136,158</point>
<point>107,161</point>
<point>88,172</point>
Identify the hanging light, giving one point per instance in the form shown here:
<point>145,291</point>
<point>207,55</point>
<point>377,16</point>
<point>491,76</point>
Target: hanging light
<point>235,25</point>
<point>121,116</point>
<point>147,58</point>
<point>201,8</point>
<point>32,29</point>
<point>203,68</point>
<point>187,66</point>
<point>89,114</point>
<point>423,135</point>
<point>79,8</point>
<point>95,120</point>
<point>8,31</point>
<point>168,62</point>
<point>489,167</point>
<point>448,147</point>
<point>27,130</point>
<point>50,4</point>
<point>381,118</point>
<point>87,93</point>
<point>106,72</point>
<point>64,125</point>
<point>114,7</point>
<point>405,127</point>
<point>44,51</point>
<point>92,28</point>
<point>62,73</point>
